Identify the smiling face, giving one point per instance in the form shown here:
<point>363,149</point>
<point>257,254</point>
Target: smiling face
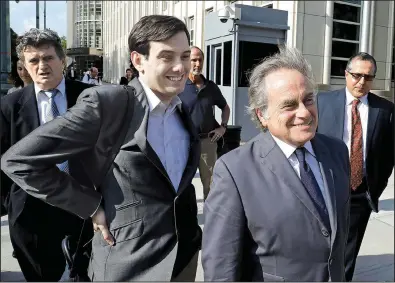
<point>166,69</point>
<point>292,111</point>
<point>44,66</point>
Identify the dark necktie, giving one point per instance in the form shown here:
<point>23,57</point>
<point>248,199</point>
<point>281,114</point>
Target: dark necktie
<point>51,113</point>
<point>312,187</point>
<point>356,152</point>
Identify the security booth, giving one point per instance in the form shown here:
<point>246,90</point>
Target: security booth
<point>237,38</point>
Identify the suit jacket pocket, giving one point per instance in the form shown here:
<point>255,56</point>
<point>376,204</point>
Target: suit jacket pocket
<point>272,278</point>
<point>126,232</point>
<point>125,214</point>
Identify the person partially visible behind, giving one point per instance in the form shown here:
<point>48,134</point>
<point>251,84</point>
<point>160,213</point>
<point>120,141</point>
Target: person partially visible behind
<point>23,79</point>
<point>37,228</point>
<point>201,96</point>
<point>127,78</point>
<point>365,122</point>
<point>92,77</point>
<point>278,206</point>
<point>71,74</point>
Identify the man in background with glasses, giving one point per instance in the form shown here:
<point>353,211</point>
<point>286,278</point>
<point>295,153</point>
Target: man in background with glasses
<point>365,122</point>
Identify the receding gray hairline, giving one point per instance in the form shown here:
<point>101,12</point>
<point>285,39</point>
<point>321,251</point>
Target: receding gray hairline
<point>286,58</point>
<point>37,37</point>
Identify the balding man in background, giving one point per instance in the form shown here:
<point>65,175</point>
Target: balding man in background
<point>91,77</point>
<point>201,96</point>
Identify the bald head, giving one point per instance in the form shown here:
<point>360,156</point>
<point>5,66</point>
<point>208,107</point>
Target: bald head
<point>94,72</point>
<point>198,50</point>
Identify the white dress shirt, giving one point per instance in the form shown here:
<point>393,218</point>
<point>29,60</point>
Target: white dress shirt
<point>289,152</point>
<point>167,135</point>
<point>43,101</point>
<point>363,108</point>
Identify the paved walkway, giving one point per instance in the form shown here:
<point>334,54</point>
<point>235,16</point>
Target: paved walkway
<point>375,261</point>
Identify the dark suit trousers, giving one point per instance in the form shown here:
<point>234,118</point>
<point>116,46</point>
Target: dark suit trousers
<point>359,218</point>
<point>36,237</point>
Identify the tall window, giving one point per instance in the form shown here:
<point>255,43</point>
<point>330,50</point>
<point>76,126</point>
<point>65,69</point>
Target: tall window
<point>191,27</point>
<point>345,34</point>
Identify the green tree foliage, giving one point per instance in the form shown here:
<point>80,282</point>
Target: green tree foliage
<point>64,43</point>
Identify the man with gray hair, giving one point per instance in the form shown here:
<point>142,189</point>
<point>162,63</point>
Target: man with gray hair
<point>91,77</point>
<point>278,206</point>
<point>37,228</point>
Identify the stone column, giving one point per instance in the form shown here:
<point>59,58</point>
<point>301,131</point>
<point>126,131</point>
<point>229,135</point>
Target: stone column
<point>328,43</point>
<point>365,26</point>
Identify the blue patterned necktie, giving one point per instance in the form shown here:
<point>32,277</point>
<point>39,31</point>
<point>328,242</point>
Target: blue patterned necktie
<point>51,113</point>
<point>312,187</point>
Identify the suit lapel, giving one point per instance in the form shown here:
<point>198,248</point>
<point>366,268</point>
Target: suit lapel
<point>275,160</point>
<point>372,118</point>
<point>339,107</point>
<point>71,94</point>
<point>141,109</point>
<point>193,153</point>
<point>139,126</point>
<point>28,112</point>
<point>325,164</point>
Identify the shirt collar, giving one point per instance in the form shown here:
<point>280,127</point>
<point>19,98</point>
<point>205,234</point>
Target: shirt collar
<point>189,82</point>
<point>288,149</point>
<point>61,88</point>
<point>154,101</point>
<point>350,98</point>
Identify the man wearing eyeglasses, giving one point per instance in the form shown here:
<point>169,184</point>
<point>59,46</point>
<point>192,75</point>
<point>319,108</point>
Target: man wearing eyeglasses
<point>365,122</point>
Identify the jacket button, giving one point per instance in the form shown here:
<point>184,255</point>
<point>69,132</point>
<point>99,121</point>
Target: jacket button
<point>325,232</point>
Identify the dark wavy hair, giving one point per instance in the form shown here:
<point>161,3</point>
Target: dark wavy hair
<point>18,81</point>
<point>153,28</point>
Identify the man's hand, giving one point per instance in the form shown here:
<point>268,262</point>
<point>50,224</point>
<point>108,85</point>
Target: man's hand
<point>100,223</point>
<point>217,133</point>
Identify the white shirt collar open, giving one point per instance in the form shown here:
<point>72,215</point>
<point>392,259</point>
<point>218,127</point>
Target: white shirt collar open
<point>155,103</point>
<point>350,98</point>
<point>289,149</point>
<point>61,88</point>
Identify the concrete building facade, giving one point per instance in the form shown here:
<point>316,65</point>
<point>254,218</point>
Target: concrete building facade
<point>85,33</point>
<point>327,32</point>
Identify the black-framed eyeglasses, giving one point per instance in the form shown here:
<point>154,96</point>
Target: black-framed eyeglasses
<point>358,76</point>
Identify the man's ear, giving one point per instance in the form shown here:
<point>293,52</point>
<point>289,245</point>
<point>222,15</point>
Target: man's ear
<point>261,117</point>
<point>137,60</point>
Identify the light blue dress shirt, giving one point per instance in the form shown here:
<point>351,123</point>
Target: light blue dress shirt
<point>43,100</point>
<point>167,135</point>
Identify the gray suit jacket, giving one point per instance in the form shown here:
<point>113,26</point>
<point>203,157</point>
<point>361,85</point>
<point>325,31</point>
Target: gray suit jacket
<point>155,229</point>
<point>260,223</point>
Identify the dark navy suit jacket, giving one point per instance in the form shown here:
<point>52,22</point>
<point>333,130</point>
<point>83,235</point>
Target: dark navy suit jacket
<point>380,135</point>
